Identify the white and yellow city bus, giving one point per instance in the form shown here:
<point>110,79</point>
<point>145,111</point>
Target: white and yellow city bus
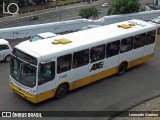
<point>50,68</point>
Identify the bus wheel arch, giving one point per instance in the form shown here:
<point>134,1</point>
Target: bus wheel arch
<point>122,68</point>
<point>62,90</point>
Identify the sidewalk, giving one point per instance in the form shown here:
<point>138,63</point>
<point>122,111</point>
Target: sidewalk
<point>43,11</point>
<point>151,105</point>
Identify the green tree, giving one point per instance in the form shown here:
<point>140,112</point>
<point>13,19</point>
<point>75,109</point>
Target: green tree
<point>124,7</point>
<point>89,12</point>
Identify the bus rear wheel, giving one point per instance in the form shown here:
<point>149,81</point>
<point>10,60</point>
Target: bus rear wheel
<point>61,91</point>
<point>122,68</point>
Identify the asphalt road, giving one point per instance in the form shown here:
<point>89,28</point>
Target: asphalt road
<point>115,93</point>
<point>61,14</point>
<point>54,16</point>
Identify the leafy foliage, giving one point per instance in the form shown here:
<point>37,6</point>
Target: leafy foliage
<point>89,12</point>
<point>124,6</point>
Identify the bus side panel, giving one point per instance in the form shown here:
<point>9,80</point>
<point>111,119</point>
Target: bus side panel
<point>93,78</point>
<point>110,71</point>
<point>95,70</point>
<point>149,49</point>
<point>110,65</point>
<point>46,90</point>
<point>46,95</point>
<point>127,56</point>
<point>138,55</point>
<point>78,74</point>
<point>147,57</point>
<point>98,76</point>
<point>80,82</point>
<point>63,77</point>
<point>135,62</point>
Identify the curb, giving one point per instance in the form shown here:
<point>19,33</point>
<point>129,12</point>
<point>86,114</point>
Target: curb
<point>151,104</point>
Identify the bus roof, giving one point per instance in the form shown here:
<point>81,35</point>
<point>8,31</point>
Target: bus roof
<point>85,39</point>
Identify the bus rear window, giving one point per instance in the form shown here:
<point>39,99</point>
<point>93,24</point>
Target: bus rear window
<point>24,56</point>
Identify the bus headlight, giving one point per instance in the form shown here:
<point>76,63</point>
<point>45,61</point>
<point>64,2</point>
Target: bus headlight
<point>31,91</point>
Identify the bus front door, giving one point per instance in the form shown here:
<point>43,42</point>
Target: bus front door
<point>46,80</point>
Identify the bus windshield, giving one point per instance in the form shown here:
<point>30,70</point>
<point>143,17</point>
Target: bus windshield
<point>35,38</point>
<point>23,72</point>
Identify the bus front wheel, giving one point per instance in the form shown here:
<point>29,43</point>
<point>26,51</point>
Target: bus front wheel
<point>7,58</point>
<point>61,91</point>
<point>122,68</point>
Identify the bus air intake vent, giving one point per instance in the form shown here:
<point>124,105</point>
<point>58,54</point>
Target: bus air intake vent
<point>126,26</point>
<point>61,41</point>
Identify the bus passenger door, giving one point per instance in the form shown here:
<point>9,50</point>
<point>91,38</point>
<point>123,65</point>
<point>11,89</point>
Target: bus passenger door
<point>150,44</point>
<point>46,80</point>
<point>80,65</point>
<point>138,49</point>
<point>134,49</point>
<point>79,76</point>
<point>137,56</point>
<point>112,58</point>
<point>131,52</point>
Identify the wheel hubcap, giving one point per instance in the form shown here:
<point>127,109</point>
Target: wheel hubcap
<point>8,59</point>
<point>62,91</point>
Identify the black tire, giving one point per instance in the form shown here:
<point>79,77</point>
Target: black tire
<point>122,68</point>
<point>61,91</point>
<point>7,58</point>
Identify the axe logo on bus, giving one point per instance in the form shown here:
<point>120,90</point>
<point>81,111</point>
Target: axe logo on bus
<point>97,66</point>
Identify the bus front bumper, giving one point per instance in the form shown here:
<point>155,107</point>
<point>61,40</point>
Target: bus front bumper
<point>24,94</point>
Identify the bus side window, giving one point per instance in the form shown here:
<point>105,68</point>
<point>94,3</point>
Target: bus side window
<point>126,44</point>
<point>112,48</point>
<point>47,72</point>
<point>80,58</point>
<point>150,37</point>
<point>64,63</point>
<point>97,53</point>
<point>139,41</point>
